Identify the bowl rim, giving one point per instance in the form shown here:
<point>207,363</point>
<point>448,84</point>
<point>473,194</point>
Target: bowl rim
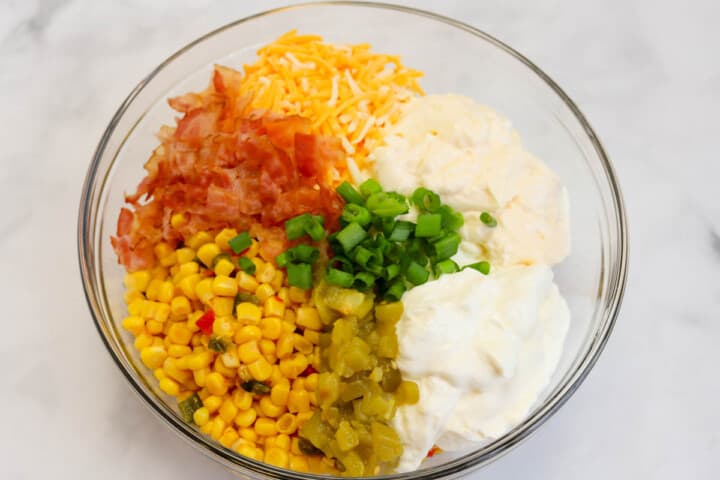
<point>461,465</point>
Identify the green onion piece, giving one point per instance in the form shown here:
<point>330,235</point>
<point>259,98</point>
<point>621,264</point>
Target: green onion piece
<point>319,219</point>
<point>349,194</point>
<point>428,225</point>
<point>315,229</point>
<point>488,219</point>
<point>387,204</point>
<point>339,278</point>
<point>342,263</point>
<point>350,236</point>
<point>219,257</point>
<point>446,266</point>
<point>447,246</point>
<point>362,256</point>
<point>356,213</point>
<point>255,387</point>
<point>401,231</point>
<point>282,260</point>
<point>240,243</point>
<point>245,297</point>
<point>426,200</point>
<point>188,406</point>
<point>370,186</point>
<point>218,344</point>
<point>395,291</point>
<point>416,274</point>
<point>295,227</point>
<point>299,275</point>
<point>246,265</point>
<point>391,271</point>
<point>482,267</point>
<point>451,219</point>
<point>301,254</point>
<point>363,281</point>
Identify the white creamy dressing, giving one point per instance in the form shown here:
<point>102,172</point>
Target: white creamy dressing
<point>481,348</point>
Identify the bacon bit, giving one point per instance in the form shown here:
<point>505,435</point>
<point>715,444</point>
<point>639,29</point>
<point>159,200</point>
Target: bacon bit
<point>433,451</point>
<point>223,166</point>
<point>205,323</point>
<point>308,371</point>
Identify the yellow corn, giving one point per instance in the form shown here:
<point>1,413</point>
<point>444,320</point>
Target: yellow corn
<point>260,369</point>
<point>269,409</point>
<point>285,345</point>
<point>267,347</point>
<point>152,290</point>
<point>178,351</point>
<point>179,334</point>
<point>226,372</point>
<point>277,456</point>
<point>223,285</point>
<point>200,376</point>
<point>222,306</point>
<point>207,253</point>
<point>246,282</point>
<point>203,290</point>
<point>282,441</point>
<point>212,403</point>
<point>162,312</point>
<point>307,317</point>
<point>248,433</point>
<point>188,285</point>
<point>282,294</point>
<point>274,307</point>
<point>131,295</point>
<point>279,393</point>
<point>298,384</point>
<point>298,401</point>
<point>277,280</point>
<point>198,239</point>
<point>247,312</point>
<point>225,267</point>
<point>303,417</point>
<point>134,324</point>
<point>225,235</point>
<point>143,340</point>
<point>180,305</point>
<point>185,255</point>
<point>216,384</point>
<point>153,357</point>
<point>264,291</point>
<point>311,382</point>
<point>271,327</point>
<point>228,410</point>
<point>286,424</point>
<point>265,273</point>
<point>223,324</point>
<point>247,333</point>
<point>169,386</point>
<point>265,427</point>
<point>136,306</point>
<point>218,428</point>
<point>313,336</point>
<point>228,437</point>
<point>242,399</point>
<point>198,360</point>
<point>137,280</point>
<point>298,463</point>
<point>297,295</point>
<point>201,416</point>
<point>302,344</point>
<point>249,352</point>
<point>293,365</point>
<point>248,451</point>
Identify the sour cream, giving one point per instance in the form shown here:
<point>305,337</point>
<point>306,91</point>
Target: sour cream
<point>473,158</point>
<point>481,349</point>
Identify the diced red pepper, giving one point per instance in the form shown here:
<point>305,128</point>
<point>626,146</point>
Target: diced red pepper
<point>308,371</point>
<point>433,451</point>
<point>205,323</point>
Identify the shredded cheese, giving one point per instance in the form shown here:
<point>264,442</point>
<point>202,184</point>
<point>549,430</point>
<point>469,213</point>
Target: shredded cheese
<point>345,90</point>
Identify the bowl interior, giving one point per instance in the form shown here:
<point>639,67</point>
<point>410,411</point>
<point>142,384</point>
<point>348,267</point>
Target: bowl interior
<point>455,59</point>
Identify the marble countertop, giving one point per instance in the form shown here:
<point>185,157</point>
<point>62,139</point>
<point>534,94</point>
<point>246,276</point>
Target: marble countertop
<point>646,74</point>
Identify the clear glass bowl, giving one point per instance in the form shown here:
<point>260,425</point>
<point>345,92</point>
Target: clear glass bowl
<point>455,58</point>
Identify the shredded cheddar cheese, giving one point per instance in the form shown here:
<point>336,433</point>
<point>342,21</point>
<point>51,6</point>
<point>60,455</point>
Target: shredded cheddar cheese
<point>345,90</point>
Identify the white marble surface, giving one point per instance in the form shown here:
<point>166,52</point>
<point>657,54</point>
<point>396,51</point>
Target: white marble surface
<point>645,72</point>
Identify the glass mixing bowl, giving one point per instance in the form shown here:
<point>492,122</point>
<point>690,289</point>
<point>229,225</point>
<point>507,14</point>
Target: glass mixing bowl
<point>455,58</point>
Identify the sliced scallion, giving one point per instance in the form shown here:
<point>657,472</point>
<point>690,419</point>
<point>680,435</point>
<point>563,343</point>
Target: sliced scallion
<point>488,219</point>
<point>447,246</point>
<point>299,275</point>
<point>339,278</point>
<point>349,194</point>
<point>426,200</point>
<point>387,204</point>
<point>451,219</point>
<point>246,265</point>
<point>428,225</point>
<point>446,266</point>
<point>370,186</point>
<point>240,242</point>
<point>482,267</point>
<point>416,273</point>
<point>353,212</point>
<point>401,231</point>
<point>350,236</point>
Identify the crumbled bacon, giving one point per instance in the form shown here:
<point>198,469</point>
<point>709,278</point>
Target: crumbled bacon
<point>223,166</point>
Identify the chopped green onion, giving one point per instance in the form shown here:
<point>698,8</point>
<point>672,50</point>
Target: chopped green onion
<point>370,186</point>
<point>188,406</point>
<point>401,231</point>
<point>219,257</point>
<point>319,219</point>
<point>451,220</point>
<point>242,297</point>
<point>416,274</point>
<point>240,243</point>
<point>387,204</point>
<point>363,281</point>
<point>446,266</point>
<point>392,271</point>
<point>488,219</point>
<point>315,229</point>
<point>301,254</point>
<point>395,291</point>
<point>356,213</point>
<point>426,200</point>
<point>349,194</point>
<point>362,256</point>
<point>428,225</point>
<point>246,265</point>
<point>299,275</point>
<point>447,246</point>
<point>295,227</point>
<point>282,260</point>
<point>342,263</point>
<point>218,344</point>
<point>339,278</point>
<point>482,267</point>
<point>255,387</point>
<point>350,236</point>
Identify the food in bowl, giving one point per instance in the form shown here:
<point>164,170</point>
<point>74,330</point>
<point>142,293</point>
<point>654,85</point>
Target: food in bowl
<point>334,273</point>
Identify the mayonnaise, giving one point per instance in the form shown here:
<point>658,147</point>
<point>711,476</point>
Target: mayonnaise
<point>481,349</point>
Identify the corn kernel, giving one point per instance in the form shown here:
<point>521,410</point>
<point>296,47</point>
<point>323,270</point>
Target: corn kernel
<point>198,239</point>
<point>303,417</point>
<point>269,409</point>
<point>159,374</point>
<point>200,376</point>
<point>245,418</point>
<point>223,326</point>
<point>137,280</point>
<point>298,295</point>
<point>162,312</point>
<point>298,463</point>
<point>226,372</point>
<point>169,386</point>
<point>286,424</point>
<point>298,384</point>
<point>136,307</point>
<point>153,356</point>
<point>298,401</point>
<point>223,285</point>
<point>178,351</point>
<point>152,289</point>
<point>180,306</point>
<point>228,410</point>
<point>212,403</point>
<point>218,428</point>
<point>293,365</point>
<point>265,427</point>
<point>203,290</point>
<point>249,352</point>
<point>188,285</point>
<point>225,235</point>
<point>185,255</point>
<point>154,327</point>
<point>207,253</point>
<point>247,333</point>
<point>246,281</point>
<point>230,358</point>
<point>143,340</point>
<point>284,345</point>
<point>216,384</point>
<point>274,307</point>
<point>163,249</point>
<point>278,280</point>
<point>207,428</point>
<point>279,393</point>
<point>265,273</point>
<point>307,317</point>
<point>132,295</point>
<point>263,292</point>
<point>260,369</point>
<point>159,273</point>
<point>134,324</point>
<point>201,416</point>
<point>282,294</point>
<point>222,306</point>
<point>276,456</point>
<point>225,267</point>
<point>179,334</point>
<point>228,437</point>
<point>282,440</point>
<point>248,433</point>
<point>311,382</point>
<point>248,451</point>
<point>271,327</point>
<point>248,312</point>
<point>313,336</point>
<point>198,360</point>
<point>169,260</point>
<point>242,399</point>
